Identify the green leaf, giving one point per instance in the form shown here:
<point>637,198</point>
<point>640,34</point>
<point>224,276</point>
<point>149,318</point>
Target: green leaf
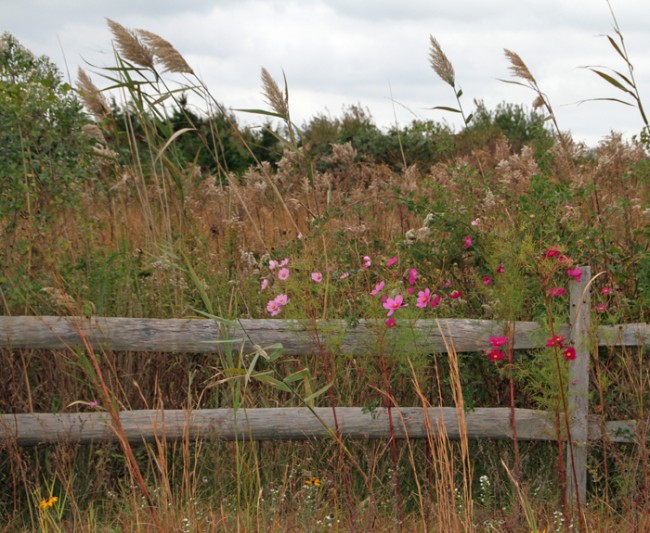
<point>319,392</point>
<point>616,47</point>
<point>263,112</point>
<point>445,108</point>
<point>297,376</point>
<point>266,378</point>
<point>459,93</point>
<point>611,80</point>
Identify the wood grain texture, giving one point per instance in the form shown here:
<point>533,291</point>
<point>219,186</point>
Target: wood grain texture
<point>297,337</point>
<point>290,423</point>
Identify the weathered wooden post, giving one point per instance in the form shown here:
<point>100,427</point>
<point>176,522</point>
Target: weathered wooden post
<point>578,400</point>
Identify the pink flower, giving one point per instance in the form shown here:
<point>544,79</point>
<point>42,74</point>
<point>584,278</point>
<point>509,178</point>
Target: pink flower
<point>284,262</point>
<point>410,290</point>
<point>569,353</point>
<point>447,284</point>
<point>498,341</point>
<point>283,274</point>
<point>413,275</point>
<point>378,288</point>
<point>495,355</point>
<point>551,252</point>
<point>273,307</point>
<point>392,304</point>
<point>556,341</point>
<point>467,242</point>
<point>300,236</point>
<point>281,300</point>
<point>605,290</point>
<point>575,273</point>
<point>93,403</point>
<point>391,261</point>
<point>435,301</point>
<point>455,294</point>
<point>344,275</point>
<point>366,261</point>
<point>501,269</point>
<point>423,298</point>
<point>273,264</point>
<point>476,221</point>
<point>487,281</point>
<point>391,322</point>
<point>265,284</point>
<point>601,307</point>
<point>317,277</point>
<point>556,291</point>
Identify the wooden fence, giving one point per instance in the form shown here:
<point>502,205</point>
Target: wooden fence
<point>302,338</point>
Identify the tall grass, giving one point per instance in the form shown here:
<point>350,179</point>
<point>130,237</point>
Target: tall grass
<point>156,236</point>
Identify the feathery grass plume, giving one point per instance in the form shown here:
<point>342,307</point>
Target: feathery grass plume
<point>518,68</point>
<point>278,102</point>
<point>440,63</point>
<point>91,96</point>
<point>165,53</point>
<point>129,46</point>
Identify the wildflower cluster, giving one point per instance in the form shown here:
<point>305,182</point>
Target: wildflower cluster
<point>557,341</point>
<point>279,270</point>
<point>495,353</point>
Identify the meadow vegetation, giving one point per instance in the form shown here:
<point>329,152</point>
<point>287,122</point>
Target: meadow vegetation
<point>151,200</point>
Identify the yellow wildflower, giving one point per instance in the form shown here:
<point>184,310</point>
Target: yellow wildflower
<point>46,504</point>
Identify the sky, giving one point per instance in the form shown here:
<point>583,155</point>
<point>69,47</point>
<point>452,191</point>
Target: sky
<point>373,53</point>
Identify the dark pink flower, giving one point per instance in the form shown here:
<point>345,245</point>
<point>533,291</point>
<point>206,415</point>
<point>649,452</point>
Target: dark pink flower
<point>391,261</point>
<point>435,301</point>
<point>410,290</point>
<point>575,274</point>
<point>455,294</point>
<point>556,341</point>
<point>467,243</point>
<point>605,290</point>
<point>569,353</point>
<point>495,355</point>
<point>602,307</point>
<point>378,288</point>
<point>501,269</point>
<point>391,322</point>
<point>487,281</point>
<point>498,341</point>
<point>551,252</point>
<point>413,275</point>
<point>556,291</point>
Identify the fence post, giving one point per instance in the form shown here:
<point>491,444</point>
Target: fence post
<point>578,401</point>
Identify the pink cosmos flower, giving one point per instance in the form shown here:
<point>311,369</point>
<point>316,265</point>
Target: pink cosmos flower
<point>455,294</point>
<point>413,275</point>
<point>495,355</point>
<point>410,290</point>
<point>378,288</point>
<point>556,291</point>
<point>498,341</point>
<point>423,298</point>
<point>391,322</point>
<point>344,275</point>
<point>93,403</point>
<point>393,304</point>
<point>435,301</point>
<point>487,281</point>
<point>317,277</point>
<point>391,261</point>
<point>551,252</point>
<point>281,300</point>
<point>569,353</point>
<point>575,274</point>
<point>283,274</point>
<point>284,262</point>
<point>273,307</point>
<point>556,341</point>
<point>467,243</point>
<point>273,264</point>
<point>265,284</point>
<point>366,261</point>
<point>601,307</point>
<point>501,269</point>
<point>605,290</point>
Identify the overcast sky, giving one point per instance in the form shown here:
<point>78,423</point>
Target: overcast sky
<point>337,53</point>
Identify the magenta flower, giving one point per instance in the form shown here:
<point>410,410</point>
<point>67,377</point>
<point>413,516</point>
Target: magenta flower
<point>556,341</point>
<point>413,275</point>
<point>410,290</point>
<point>498,341</point>
<point>391,261</point>
<point>467,243</point>
<point>487,281</point>
<point>601,307</point>
<point>575,274</point>
<point>423,298</point>
<point>366,261</point>
<point>393,304</point>
<point>391,322</point>
<point>495,355</point>
<point>435,301</point>
<point>455,294</point>
<point>283,274</point>
<point>265,284</point>
<point>378,288</point>
<point>570,353</point>
<point>93,403</point>
<point>317,277</point>
<point>605,290</point>
<point>551,252</point>
<point>501,269</point>
<point>556,291</point>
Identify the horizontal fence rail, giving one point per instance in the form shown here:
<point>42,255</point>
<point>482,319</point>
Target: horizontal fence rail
<point>295,423</point>
<point>297,337</point>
